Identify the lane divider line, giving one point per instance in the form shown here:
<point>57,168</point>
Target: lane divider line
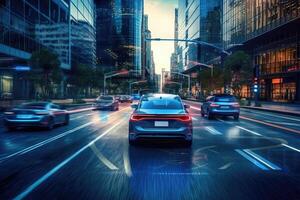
<point>262,160</point>
<point>249,158</point>
<point>42,179</point>
<point>271,125</point>
<point>33,147</point>
<point>40,144</point>
<point>102,158</point>
<point>290,147</point>
<point>195,108</point>
<point>245,129</point>
<point>213,130</point>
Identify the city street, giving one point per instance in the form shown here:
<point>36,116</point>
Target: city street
<point>257,157</point>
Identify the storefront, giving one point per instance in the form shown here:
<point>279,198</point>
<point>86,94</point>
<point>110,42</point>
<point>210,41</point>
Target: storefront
<point>6,86</point>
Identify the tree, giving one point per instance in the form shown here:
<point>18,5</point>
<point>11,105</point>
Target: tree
<point>81,77</point>
<point>45,71</point>
<point>238,71</point>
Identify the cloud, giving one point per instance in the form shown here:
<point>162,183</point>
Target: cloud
<point>161,24</point>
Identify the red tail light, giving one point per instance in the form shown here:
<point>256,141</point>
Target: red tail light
<point>183,118</point>
<point>214,105</point>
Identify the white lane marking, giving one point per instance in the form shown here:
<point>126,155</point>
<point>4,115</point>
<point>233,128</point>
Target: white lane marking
<point>127,165</point>
<point>103,159</point>
<point>40,144</point>
<point>279,116</point>
<point>290,147</point>
<point>225,166</point>
<point>33,147</point>
<point>245,129</point>
<point>213,130</point>
<point>262,160</point>
<point>77,117</point>
<point>42,179</point>
<point>181,173</point>
<point>195,108</point>
<point>255,162</point>
<point>194,118</point>
<point>283,123</point>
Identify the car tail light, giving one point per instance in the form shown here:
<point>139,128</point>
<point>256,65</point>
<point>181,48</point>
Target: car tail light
<point>183,118</point>
<point>236,105</point>
<point>214,105</point>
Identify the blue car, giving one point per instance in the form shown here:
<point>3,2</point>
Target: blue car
<point>136,97</point>
<point>160,116</point>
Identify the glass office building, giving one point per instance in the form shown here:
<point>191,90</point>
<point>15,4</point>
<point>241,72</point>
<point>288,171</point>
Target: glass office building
<point>199,20</point>
<point>62,26</point>
<point>118,34</point>
<point>270,32</point>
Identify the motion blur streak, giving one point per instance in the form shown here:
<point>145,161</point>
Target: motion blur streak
<point>33,186</point>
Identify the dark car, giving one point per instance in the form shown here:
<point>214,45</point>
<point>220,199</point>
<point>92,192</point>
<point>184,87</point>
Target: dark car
<point>36,114</point>
<point>126,99</point>
<point>220,105</point>
<point>106,102</point>
<point>161,116</point>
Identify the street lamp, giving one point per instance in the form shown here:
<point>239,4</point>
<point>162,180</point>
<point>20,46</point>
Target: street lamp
<point>109,75</point>
<point>135,82</point>
<point>189,79</point>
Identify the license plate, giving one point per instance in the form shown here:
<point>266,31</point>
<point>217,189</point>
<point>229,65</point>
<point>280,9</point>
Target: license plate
<point>161,123</point>
<point>24,116</point>
<point>224,107</point>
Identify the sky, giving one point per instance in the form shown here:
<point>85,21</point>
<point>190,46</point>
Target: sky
<point>161,24</point>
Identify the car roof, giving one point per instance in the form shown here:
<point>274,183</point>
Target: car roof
<point>161,95</point>
<point>223,95</point>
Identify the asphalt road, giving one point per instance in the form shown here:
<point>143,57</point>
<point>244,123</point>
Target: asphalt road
<point>257,157</point>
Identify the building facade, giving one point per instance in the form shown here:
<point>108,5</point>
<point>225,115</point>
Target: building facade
<point>199,20</point>
<point>270,33</point>
<point>146,51</point>
<point>28,26</point>
<point>119,34</point>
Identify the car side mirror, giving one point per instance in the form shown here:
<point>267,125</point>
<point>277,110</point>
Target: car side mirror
<point>134,106</point>
<point>186,106</point>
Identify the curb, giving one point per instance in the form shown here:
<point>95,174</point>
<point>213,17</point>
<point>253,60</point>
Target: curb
<point>273,111</point>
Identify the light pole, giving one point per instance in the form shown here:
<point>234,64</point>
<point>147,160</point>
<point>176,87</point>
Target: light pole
<point>109,75</point>
<point>135,82</point>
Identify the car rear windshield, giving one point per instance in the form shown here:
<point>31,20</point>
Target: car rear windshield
<point>225,99</point>
<point>157,103</point>
<point>106,98</point>
<point>33,106</point>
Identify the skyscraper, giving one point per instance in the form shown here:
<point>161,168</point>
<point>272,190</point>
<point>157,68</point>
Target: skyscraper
<point>118,34</point>
<point>27,26</point>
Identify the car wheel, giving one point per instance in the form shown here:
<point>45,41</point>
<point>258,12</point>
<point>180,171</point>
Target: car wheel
<point>236,117</point>
<point>67,119</point>
<point>50,124</point>
<point>132,142</point>
<point>210,116</point>
<point>202,113</point>
<point>188,143</point>
<point>10,128</point>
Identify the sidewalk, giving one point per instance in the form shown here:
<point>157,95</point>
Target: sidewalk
<point>283,108</point>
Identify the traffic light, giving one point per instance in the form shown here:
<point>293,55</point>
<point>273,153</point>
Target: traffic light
<point>255,85</point>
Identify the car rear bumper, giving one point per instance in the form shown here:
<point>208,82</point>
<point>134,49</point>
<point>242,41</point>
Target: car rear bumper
<point>225,112</point>
<point>25,123</point>
<point>184,133</point>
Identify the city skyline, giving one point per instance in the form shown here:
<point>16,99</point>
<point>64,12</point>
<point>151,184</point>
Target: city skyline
<point>161,24</point>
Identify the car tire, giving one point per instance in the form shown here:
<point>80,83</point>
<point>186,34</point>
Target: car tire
<point>10,128</point>
<point>188,143</point>
<point>67,119</point>
<point>210,116</point>
<point>50,124</point>
<point>132,142</point>
<point>202,113</point>
<point>236,117</point>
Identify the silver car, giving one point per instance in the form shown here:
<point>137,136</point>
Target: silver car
<point>106,102</point>
<point>36,114</point>
<point>160,116</point>
<point>220,105</point>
